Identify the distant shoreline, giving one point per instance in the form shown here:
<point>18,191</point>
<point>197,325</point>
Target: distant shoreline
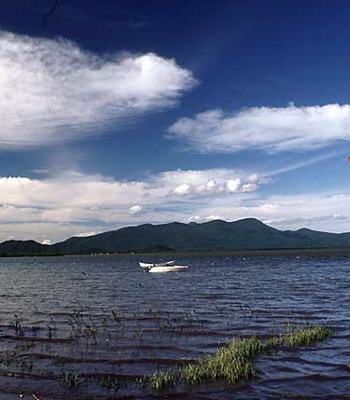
<point>173,254</point>
<point>244,237</point>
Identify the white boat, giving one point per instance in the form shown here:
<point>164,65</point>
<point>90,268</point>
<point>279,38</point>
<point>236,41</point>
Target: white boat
<point>168,266</point>
<point>147,265</point>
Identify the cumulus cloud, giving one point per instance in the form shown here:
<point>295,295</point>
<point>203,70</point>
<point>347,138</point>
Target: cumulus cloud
<point>52,90</point>
<point>100,191</point>
<point>272,129</point>
<point>213,217</point>
<point>182,189</point>
<point>136,209</point>
<point>311,210</point>
<point>233,185</point>
<point>86,234</point>
<point>213,181</point>
<point>108,203</point>
<point>30,208</point>
<point>297,221</point>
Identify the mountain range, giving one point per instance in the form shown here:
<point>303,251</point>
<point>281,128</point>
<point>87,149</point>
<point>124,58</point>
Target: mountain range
<point>217,235</point>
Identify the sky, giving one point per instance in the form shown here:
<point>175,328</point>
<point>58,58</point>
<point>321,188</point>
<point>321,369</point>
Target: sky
<point>118,113</point>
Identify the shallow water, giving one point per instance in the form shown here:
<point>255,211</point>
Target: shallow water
<point>98,316</point>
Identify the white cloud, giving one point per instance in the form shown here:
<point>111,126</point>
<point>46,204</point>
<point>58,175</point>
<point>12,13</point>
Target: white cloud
<point>233,185</point>
<point>213,217</point>
<point>194,218</point>
<point>310,210</point>
<point>86,234</point>
<point>136,209</point>
<point>107,203</point>
<point>288,128</point>
<point>52,90</point>
<point>182,189</point>
<point>31,208</point>
<point>211,185</point>
<point>100,191</point>
<point>207,182</point>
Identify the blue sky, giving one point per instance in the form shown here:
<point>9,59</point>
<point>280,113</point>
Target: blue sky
<point>120,113</point>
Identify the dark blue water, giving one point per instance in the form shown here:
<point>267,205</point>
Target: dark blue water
<point>96,316</point>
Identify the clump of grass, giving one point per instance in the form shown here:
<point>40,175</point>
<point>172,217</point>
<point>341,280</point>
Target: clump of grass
<point>234,362</point>
<point>18,327</point>
<point>110,382</point>
<point>163,380</point>
<point>70,379</point>
<point>230,364</point>
<point>305,337</point>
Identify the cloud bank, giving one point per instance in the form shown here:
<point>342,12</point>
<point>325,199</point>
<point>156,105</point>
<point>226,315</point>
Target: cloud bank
<point>52,90</point>
<point>272,129</point>
<point>30,208</point>
<point>108,203</point>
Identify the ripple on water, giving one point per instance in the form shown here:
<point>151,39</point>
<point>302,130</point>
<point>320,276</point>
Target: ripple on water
<point>116,320</point>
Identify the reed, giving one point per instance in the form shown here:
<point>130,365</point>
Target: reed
<point>70,379</point>
<point>110,382</point>
<point>234,362</point>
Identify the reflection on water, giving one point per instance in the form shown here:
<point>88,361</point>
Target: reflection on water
<point>100,322</point>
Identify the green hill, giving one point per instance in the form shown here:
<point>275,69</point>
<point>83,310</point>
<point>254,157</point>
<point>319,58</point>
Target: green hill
<point>245,234</point>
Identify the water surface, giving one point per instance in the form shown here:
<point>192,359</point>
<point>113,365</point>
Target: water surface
<point>98,316</point>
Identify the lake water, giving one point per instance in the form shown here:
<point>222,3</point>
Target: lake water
<point>100,316</point>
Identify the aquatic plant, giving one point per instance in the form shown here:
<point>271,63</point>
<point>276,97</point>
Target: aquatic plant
<point>51,327</point>
<point>90,332</point>
<point>110,382</point>
<point>18,327</point>
<point>234,362</point>
<point>163,380</point>
<point>82,326</point>
<point>8,358</point>
<point>70,379</point>
<point>117,316</point>
<point>305,337</point>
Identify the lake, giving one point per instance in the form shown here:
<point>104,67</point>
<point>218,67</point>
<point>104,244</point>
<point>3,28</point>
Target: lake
<point>87,321</point>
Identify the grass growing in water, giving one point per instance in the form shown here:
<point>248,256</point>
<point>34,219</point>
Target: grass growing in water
<point>70,379</point>
<point>110,382</point>
<point>233,363</point>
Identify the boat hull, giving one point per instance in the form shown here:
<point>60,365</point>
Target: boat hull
<point>164,268</point>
